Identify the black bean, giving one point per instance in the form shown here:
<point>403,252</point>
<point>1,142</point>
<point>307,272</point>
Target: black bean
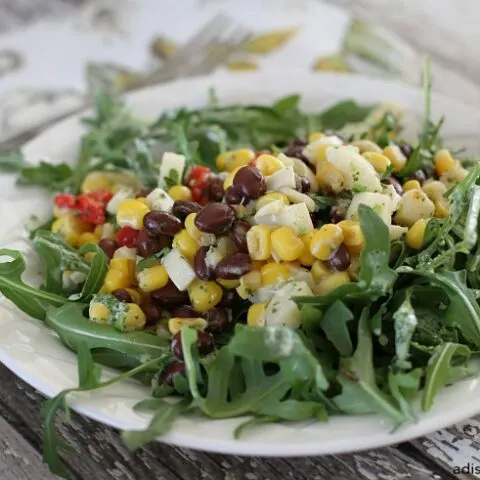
<point>406,149</point>
<point>146,244</point>
<point>394,183</point>
<point>215,189</point>
<point>151,311</point>
<point>234,195</point>
<point>169,374</point>
<point>217,319</point>
<point>419,176</point>
<point>305,184</point>
<point>340,260</point>
<point>239,235</point>
<point>122,295</point>
<point>144,192</point>
<point>215,218</point>
<point>109,246</point>
<point>234,267</point>
<point>202,269</point>
<point>336,215</point>
<point>169,296</point>
<point>251,181</point>
<point>182,209</point>
<point>185,311</point>
<point>161,223</point>
<point>205,343</point>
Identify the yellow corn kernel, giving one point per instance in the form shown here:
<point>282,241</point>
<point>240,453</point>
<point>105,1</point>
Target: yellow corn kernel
<point>180,192</point>
<point>268,164</point>
<point>258,242</point>
<point>306,258</point>
<point>329,178</point>
<point>442,208</point>
<point>204,294</point>
<point>131,212</point>
<point>332,282</point>
<point>115,279</point>
<point>396,157</point>
<point>222,160</point>
<point>243,157</point>
<point>410,185</point>
<point>286,245</point>
<point>320,270</point>
<point>175,324</point>
<point>256,315</point>
<point>99,313</point>
<point>434,190</point>
<point>124,265</point>
<point>273,272</point>
<point>314,136</point>
<point>443,161</point>
<point>326,241</point>
<point>134,318</point>
<point>249,284</point>
<point>228,284</point>
<point>135,294</point>
<point>70,227</point>
<point>365,146</point>
<point>185,244</point>
<point>269,198</point>
<point>143,200</point>
<point>228,182</point>
<point>378,161</point>
<point>152,278</point>
<point>352,233</point>
<point>416,234</point>
<point>87,237</point>
<point>95,181</point>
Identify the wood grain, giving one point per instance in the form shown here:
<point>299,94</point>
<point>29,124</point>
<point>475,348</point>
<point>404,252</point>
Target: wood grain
<point>99,453</point>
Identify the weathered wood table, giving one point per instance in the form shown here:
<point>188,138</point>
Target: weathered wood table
<point>98,451</point>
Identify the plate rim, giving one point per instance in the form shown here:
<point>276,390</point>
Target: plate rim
<point>231,446</point>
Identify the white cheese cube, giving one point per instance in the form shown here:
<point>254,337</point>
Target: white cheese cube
<point>311,150</point>
<point>381,203</point>
<point>414,205</point>
<point>396,231</point>
<point>394,196</point>
<point>298,197</point>
<point>287,161</point>
<point>295,216</point>
<point>118,198</point>
<point>356,170</point>
<point>159,199</point>
<point>285,177</point>
<point>179,270</point>
<point>172,166</point>
<point>216,253</point>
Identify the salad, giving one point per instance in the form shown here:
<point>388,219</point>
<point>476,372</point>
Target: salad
<point>257,261</point>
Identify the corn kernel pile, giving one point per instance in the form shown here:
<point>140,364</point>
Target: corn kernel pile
<point>249,233</point>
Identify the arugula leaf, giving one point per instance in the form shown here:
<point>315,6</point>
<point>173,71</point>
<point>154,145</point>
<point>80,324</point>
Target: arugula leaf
<point>404,388</point>
<point>334,323</point>
<point>30,300</point>
<point>141,163</point>
<point>127,349</point>
<point>57,257</point>
<point>161,422</point>
<point>172,178</point>
<point>341,114</point>
<point>405,322</point>
<point>322,202</point>
<point>153,260</point>
<point>360,393</point>
<point>447,364</point>
<point>52,177</point>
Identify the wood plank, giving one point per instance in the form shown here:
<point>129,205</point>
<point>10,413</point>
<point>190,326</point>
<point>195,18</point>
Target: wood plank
<point>99,453</point>
<point>18,459</point>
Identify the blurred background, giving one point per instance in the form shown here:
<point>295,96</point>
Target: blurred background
<point>55,53</point>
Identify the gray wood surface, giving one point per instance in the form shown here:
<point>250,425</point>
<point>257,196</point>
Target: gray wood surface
<point>98,451</point>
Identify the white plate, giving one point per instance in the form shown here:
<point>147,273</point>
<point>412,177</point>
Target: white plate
<point>34,353</point>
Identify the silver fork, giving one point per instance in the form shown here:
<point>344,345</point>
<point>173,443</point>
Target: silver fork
<point>207,49</point>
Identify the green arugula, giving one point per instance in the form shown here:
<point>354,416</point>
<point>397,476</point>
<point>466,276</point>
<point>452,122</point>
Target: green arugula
<point>152,260</point>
